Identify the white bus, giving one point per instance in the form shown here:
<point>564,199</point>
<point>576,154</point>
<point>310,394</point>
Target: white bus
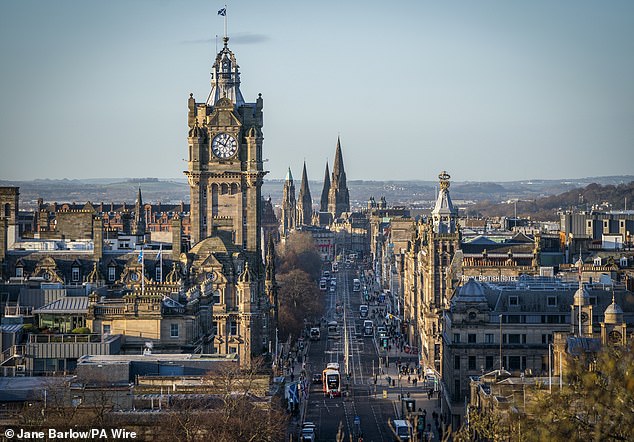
<point>356,285</point>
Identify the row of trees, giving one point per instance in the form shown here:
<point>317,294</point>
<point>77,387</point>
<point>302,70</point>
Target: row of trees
<point>299,269</point>
<point>596,403</point>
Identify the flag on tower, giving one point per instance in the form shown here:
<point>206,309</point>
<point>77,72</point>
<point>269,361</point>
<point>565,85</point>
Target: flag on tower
<point>140,259</point>
<point>222,12</point>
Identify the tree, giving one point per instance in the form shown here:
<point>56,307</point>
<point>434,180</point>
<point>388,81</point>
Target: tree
<point>299,299</point>
<point>300,252</point>
<point>596,403</point>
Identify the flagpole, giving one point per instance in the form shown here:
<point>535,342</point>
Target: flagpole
<point>225,21</point>
<point>161,262</point>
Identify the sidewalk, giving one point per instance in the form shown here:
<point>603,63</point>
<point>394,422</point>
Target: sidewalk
<point>404,389</point>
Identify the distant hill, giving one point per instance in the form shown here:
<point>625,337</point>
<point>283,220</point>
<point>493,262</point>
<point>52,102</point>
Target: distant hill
<point>607,197</point>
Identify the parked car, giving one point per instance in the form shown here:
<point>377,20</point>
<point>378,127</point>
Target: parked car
<point>317,378</point>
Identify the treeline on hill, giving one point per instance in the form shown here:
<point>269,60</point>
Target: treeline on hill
<point>298,273</point>
<point>545,209</point>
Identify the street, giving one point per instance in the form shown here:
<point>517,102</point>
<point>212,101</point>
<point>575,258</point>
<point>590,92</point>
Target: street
<point>365,407</point>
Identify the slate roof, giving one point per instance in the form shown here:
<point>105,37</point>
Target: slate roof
<point>67,304</point>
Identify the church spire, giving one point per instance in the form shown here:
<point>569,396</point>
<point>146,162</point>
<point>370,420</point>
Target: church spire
<point>338,196</point>
<point>324,193</point>
<point>304,201</point>
<point>289,207</point>
<point>139,215</point>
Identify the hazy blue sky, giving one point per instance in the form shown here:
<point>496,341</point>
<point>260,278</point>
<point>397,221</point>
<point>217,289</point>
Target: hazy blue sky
<point>488,90</point>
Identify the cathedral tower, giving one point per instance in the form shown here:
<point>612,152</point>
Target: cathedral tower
<point>304,202</point>
<point>338,196</point>
<point>225,159</point>
<point>138,224</point>
<point>289,206</point>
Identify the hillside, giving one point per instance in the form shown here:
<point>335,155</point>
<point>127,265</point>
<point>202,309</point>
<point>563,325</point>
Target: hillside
<point>608,197</point>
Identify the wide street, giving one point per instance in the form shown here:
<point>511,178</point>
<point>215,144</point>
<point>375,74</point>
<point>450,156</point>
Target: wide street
<point>364,407</point>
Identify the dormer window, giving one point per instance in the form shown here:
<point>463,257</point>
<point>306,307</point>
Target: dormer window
<point>597,261</point>
<point>623,262</point>
<point>514,300</point>
<point>75,274</point>
<point>19,272</point>
<point>111,273</point>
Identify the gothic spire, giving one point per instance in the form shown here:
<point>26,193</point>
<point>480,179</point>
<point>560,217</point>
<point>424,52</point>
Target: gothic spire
<point>324,193</point>
<point>304,201</point>
<point>139,215</point>
<point>270,260</point>
<point>338,196</point>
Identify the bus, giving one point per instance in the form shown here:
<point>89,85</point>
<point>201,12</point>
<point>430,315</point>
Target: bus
<point>315,335</point>
<point>335,267</point>
<point>332,380</point>
<point>356,285</point>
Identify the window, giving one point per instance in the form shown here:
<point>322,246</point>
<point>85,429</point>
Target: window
<point>174,330</point>
<point>523,339</point>
<point>513,300</point>
<point>19,272</point>
<point>75,274</point>
<point>488,338</point>
<point>233,350</point>
<point>214,328</point>
<point>111,273</point>
<point>159,274</point>
<point>233,328</point>
<point>471,338</point>
<point>552,301</point>
<point>514,338</point>
<point>456,362</point>
<point>217,297</point>
<point>106,329</point>
<point>488,363</point>
<point>472,362</point>
<point>456,338</point>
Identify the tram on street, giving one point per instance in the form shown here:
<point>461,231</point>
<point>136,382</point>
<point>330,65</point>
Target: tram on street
<point>332,380</point>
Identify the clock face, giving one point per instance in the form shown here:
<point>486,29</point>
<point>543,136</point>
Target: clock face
<point>614,336</point>
<point>584,316</point>
<point>224,146</point>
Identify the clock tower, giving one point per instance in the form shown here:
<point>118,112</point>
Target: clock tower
<point>225,159</point>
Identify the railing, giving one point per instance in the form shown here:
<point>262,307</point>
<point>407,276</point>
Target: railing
<point>102,310</point>
<point>64,338</point>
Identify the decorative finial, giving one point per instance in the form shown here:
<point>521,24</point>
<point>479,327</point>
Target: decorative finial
<point>444,180</point>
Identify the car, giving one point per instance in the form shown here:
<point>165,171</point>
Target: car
<point>317,378</point>
<point>308,435</point>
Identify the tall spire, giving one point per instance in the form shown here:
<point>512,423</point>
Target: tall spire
<point>289,207</point>
<point>338,197</point>
<point>139,215</point>
<point>304,201</point>
<point>324,193</point>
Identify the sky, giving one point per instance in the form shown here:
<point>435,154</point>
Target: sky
<point>489,90</point>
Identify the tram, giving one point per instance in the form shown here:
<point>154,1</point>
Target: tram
<point>332,380</point>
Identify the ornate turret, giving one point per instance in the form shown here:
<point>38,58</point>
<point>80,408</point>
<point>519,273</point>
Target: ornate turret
<point>225,78</point>
<point>304,201</point>
<point>613,327</point>
<point>581,318</point>
<point>444,214</point>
